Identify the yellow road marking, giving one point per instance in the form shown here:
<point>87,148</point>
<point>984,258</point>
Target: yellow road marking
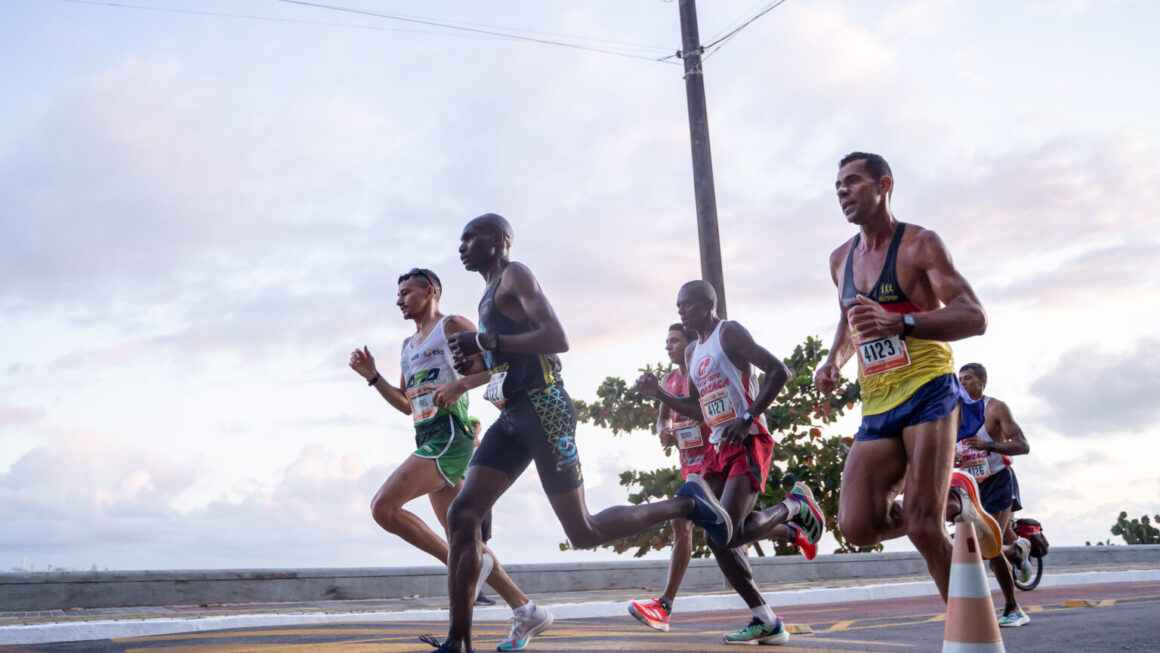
<point>841,625</point>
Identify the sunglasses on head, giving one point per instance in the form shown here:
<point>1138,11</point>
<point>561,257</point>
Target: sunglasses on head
<point>432,280</point>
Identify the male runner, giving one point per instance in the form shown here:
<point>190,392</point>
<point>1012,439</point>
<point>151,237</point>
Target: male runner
<point>724,394</point>
<point>434,395</point>
<point>913,303</point>
<point>985,455</point>
<point>691,437</point>
<point>519,337</point>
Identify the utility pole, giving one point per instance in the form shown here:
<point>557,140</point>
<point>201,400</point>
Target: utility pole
<point>703,190</point>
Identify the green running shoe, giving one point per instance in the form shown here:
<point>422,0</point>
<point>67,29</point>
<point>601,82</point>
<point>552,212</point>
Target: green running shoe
<point>810,516</point>
<point>759,632</point>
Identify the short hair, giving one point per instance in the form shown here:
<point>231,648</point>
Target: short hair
<point>689,333</point>
<point>431,278</point>
<point>975,368</point>
<point>705,290</point>
<point>502,227</point>
<point>875,164</point>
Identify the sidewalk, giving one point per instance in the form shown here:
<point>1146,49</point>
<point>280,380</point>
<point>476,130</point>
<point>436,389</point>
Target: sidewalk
<point>103,623</point>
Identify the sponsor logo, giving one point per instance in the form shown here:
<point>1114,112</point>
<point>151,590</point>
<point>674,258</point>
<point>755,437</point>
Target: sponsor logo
<point>703,366</point>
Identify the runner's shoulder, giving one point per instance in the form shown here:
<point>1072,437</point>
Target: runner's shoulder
<point>457,323</point>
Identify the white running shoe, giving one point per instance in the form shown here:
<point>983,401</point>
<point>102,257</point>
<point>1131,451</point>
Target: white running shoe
<point>524,627</point>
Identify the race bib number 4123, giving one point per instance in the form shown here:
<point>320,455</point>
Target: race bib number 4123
<point>878,356</point>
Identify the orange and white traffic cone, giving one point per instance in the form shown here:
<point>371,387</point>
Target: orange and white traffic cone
<point>971,623</point>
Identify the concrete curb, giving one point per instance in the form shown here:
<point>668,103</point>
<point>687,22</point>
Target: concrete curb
<point>91,630</point>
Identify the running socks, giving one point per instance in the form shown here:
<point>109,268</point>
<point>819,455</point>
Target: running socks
<point>765,614</point>
<point>666,604</point>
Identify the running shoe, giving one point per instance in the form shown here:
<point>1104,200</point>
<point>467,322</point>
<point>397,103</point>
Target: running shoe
<point>439,648</point>
<point>488,563</point>
<point>483,599</point>
<point>651,613</point>
<point>810,516</point>
<point>796,536</point>
<point>1014,618</point>
<point>1023,546</point>
<point>986,528</point>
<point>759,632</point>
<point>524,627</point>
<point>707,511</point>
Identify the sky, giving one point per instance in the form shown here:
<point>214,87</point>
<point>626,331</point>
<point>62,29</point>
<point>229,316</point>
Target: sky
<point>204,207</point>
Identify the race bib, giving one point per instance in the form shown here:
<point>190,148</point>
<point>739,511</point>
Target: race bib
<point>717,408</point>
<point>878,356</point>
<point>688,437</point>
<point>422,402</point>
<point>976,464</point>
<point>494,390</point>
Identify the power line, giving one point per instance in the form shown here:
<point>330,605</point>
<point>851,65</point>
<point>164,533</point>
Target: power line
<point>475,30</point>
<point>723,39</point>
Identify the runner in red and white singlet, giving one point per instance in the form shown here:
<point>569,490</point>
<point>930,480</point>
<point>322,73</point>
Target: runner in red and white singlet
<point>725,396</point>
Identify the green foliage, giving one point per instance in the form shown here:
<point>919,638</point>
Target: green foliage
<point>802,453</point>
<point>1137,531</point>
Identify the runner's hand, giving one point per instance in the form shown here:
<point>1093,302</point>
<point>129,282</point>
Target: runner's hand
<point>448,393</point>
<point>362,362</point>
<point>958,459</point>
<point>668,438</point>
<point>975,442</point>
<point>872,321</point>
<point>826,378</point>
<point>463,348</point>
<point>736,431</point>
<point>648,385</point>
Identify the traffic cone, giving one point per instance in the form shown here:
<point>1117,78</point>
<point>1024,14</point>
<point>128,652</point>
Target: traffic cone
<point>971,623</point>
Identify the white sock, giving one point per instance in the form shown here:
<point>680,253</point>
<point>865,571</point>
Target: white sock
<point>765,614</point>
<point>793,506</point>
<point>527,608</point>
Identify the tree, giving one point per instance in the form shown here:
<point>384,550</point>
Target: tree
<point>795,419</point>
<point>1137,531</point>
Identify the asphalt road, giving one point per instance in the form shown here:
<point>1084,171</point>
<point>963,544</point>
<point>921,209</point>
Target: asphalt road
<point>1113,617</point>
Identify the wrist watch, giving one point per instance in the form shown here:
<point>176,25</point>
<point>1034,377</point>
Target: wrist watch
<point>747,417</point>
<point>990,445</point>
<point>907,323</point>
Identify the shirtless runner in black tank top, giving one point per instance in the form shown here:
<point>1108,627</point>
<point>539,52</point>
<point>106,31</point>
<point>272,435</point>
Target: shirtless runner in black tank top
<point>520,336</point>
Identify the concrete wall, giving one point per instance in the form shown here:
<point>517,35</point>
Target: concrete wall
<point>60,590</point>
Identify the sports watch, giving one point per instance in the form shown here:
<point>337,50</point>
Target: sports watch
<point>907,323</point>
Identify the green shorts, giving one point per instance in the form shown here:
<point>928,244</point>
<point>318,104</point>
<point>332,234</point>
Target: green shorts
<point>449,442</point>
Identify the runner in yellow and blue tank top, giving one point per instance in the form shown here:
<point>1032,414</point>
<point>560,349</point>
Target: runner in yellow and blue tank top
<point>902,300</point>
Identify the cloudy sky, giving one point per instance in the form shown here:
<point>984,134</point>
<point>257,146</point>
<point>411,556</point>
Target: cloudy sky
<point>204,207</point>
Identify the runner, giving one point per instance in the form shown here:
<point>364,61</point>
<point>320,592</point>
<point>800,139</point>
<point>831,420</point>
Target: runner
<point>434,395</point>
<point>915,301</point>
<point>985,455</point>
<point>691,437</point>
<point>519,337</point>
<point>724,394</point>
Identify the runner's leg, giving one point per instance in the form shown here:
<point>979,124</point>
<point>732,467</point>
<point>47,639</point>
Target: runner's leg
<point>482,487</point>
<point>586,530</point>
<point>679,561</point>
<point>872,478</point>
<point>999,564</point>
<point>930,448</point>
<point>499,579</point>
<point>412,479</point>
<point>738,497</point>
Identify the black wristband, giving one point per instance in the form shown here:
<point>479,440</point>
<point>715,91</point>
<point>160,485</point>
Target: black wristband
<point>990,445</point>
<point>374,379</point>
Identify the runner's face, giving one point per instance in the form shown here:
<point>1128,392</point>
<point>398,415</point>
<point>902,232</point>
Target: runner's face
<point>858,194</point>
<point>675,345</point>
<point>414,293</point>
<point>693,309</point>
<point>972,384</point>
<point>476,247</point>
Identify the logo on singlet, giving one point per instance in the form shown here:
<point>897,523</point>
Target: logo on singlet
<point>704,366</point>
<point>423,376</point>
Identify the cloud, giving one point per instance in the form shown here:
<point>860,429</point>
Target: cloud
<point>1092,391</point>
<point>12,415</point>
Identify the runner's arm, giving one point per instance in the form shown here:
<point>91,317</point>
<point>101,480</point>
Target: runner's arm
<point>448,393</point>
<point>1011,441</point>
<point>741,348</point>
<point>363,362</point>
<point>841,348</point>
<point>547,334</point>
<point>962,314</point>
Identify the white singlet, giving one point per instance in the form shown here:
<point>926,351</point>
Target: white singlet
<point>726,392</point>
